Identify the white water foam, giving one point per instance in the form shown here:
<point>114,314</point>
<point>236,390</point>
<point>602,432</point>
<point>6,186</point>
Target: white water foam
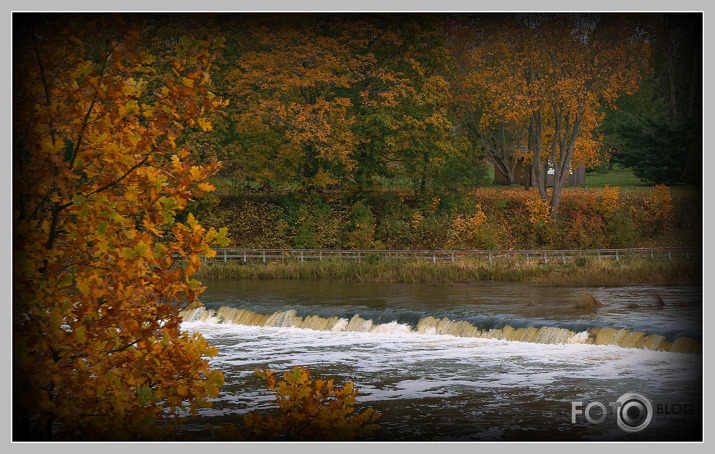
<point>396,370</point>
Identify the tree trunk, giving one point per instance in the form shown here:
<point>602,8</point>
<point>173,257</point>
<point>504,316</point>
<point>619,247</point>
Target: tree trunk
<point>310,169</point>
<point>423,177</point>
<point>504,168</point>
<point>540,175</point>
<point>556,198</point>
<point>562,148</point>
<point>562,162</point>
<point>509,176</point>
<point>541,179</point>
<point>536,145</point>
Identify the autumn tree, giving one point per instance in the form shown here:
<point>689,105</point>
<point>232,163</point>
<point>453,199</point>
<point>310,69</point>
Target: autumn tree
<point>164,32</point>
<point>557,72</point>
<point>102,266</point>
<point>239,147</point>
<point>343,99</point>
<point>427,143</point>
<point>288,88</point>
<point>497,125</point>
<point>380,89</point>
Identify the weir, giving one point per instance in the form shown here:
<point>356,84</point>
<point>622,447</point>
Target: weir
<point>445,326</point>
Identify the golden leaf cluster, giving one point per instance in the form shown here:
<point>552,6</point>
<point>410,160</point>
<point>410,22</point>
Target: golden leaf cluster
<point>104,254</point>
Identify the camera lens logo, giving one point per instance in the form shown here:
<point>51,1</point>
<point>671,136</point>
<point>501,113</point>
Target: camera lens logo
<point>634,413</point>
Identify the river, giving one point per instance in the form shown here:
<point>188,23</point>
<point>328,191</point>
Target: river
<point>488,361</point>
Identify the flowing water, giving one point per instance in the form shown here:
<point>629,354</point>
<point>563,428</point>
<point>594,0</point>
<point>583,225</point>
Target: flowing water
<point>486,361</point>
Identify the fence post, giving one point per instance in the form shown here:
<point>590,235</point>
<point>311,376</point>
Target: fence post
<point>490,258</point>
<point>264,256</point>
<point>321,255</point>
<point>224,256</point>
<point>617,259</point>
<point>434,257</point>
<point>452,256</point>
<point>359,257</point>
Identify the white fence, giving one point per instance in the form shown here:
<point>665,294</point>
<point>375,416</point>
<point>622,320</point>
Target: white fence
<point>542,256</point>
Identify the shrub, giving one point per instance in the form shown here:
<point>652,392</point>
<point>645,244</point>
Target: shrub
<point>486,218</point>
<point>430,231</point>
<point>657,209</point>
<point>622,230</point>
<point>610,202</point>
<point>308,409</point>
<point>473,232</point>
<point>360,228</point>
<point>394,228</point>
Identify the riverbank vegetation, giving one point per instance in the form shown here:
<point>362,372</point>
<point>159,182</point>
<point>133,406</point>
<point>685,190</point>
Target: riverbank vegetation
<point>584,272</point>
<point>482,218</point>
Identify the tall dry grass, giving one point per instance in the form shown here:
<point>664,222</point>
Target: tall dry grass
<point>584,273</point>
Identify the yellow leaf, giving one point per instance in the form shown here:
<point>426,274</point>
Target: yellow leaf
<point>205,124</point>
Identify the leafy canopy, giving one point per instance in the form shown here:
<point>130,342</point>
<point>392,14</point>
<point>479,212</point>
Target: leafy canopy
<point>102,263</point>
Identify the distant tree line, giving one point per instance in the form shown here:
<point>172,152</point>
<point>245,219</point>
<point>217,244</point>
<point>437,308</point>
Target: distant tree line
<point>357,101</point>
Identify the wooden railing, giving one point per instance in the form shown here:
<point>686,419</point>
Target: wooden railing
<point>545,256</point>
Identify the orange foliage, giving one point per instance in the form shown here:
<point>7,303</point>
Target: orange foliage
<point>326,100</point>
<point>553,74</point>
<point>102,265</point>
<point>657,209</point>
<point>611,200</point>
<point>467,232</point>
<point>538,212</point>
<point>308,410</point>
<point>290,85</point>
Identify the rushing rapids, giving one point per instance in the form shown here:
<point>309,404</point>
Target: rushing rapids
<point>446,326</point>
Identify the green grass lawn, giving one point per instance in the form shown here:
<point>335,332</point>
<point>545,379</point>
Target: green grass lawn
<point>623,178</point>
<point>616,177</point>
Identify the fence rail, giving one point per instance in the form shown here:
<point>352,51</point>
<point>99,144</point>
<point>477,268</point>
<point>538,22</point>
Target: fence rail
<point>545,256</point>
